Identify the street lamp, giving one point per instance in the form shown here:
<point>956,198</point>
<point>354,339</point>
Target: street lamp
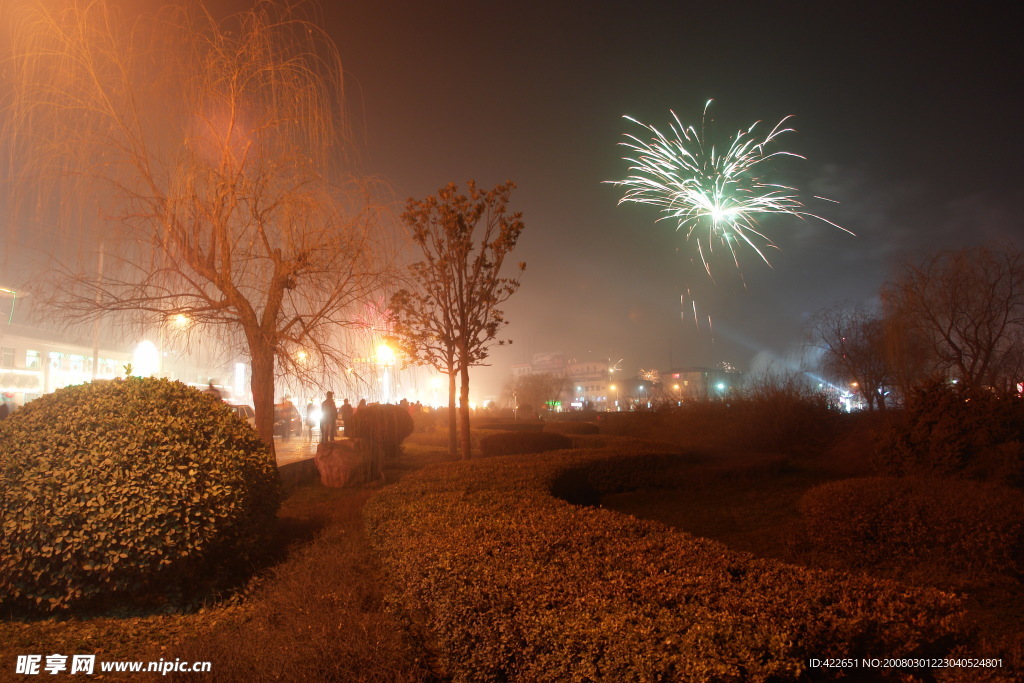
<point>616,390</point>
<point>385,358</point>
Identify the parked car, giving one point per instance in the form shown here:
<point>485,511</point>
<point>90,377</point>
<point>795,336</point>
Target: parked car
<point>287,421</point>
<point>245,413</point>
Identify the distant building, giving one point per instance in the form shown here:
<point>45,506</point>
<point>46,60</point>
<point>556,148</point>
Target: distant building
<point>688,384</point>
<point>589,383</point>
<point>36,360</point>
<point>39,358</point>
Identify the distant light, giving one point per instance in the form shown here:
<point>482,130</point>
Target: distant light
<point>721,386</point>
<point>240,372</point>
<point>385,355</point>
<point>145,359</point>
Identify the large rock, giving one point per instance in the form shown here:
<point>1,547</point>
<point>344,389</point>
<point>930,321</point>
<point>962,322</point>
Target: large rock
<point>339,462</point>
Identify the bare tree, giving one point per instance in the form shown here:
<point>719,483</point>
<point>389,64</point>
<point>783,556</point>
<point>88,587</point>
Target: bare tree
<point>448,316</point>
<point>907,353</point>
<point>212,152</point>
<point>854,349</point>
<point>968,305</point>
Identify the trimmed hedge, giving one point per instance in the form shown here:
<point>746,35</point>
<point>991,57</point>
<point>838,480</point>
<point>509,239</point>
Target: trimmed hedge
<point>572,428</point>
<point>960,524</point>
<point>517,443</point>
<point>510,426</point>
<point>508,582</point>
<point>119,490</point>
<point>386,425</point>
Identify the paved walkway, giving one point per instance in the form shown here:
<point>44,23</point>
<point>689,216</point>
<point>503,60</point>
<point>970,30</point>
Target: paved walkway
<point>295,448</point>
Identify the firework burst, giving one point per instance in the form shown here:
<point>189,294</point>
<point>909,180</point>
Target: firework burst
<point>717,198</point>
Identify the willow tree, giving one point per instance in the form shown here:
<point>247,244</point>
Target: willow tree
<point>205,158</point>
<point>448,317</point>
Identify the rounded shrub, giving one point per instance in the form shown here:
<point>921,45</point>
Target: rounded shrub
<point>958,524</point>
<point>380,428</point>
<point>385,425</point>
<point>126,490</point>
<point>516,443</point>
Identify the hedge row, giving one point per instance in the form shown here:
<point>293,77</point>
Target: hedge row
<point>960,524</point>
<point>574,428</point>
<point>509,582</point>
<point>510,425</point>
<point>516,443</point>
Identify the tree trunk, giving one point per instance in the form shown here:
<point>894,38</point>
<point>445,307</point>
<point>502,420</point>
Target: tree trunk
<point>464,413</point>
<point>453,447</point>
<point>262,385</point>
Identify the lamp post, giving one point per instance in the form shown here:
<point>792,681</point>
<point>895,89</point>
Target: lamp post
<point>385,359</point>
<point>616,390</point>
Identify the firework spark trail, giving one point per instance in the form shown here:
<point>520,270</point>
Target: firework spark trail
<point>376,318</point>
<point>700,188</point>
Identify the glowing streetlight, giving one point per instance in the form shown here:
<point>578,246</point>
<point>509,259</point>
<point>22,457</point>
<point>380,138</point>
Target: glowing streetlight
<point>385,355</point>
<point>385,358</point>
<point>145,360</point>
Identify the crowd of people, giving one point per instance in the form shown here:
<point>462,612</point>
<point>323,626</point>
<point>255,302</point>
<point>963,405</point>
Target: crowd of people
<point>331,418</point>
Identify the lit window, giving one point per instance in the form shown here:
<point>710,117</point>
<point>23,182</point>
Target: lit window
<point>32,360</point>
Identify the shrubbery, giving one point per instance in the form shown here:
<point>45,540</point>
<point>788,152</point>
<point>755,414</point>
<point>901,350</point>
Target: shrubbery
<point>125,490</point>
<point>946,429</point>
<point>780,415</point>
<point>584,415</point>
<point>510,425</point>
<point>381,429</point>
<point>958,524</point>
<point>508,582</point>
<point>517,443</point>
<point>384,424</point>
<point>573,428</point>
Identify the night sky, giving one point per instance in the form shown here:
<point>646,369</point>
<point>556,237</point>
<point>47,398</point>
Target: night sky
<point>910,119</point>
